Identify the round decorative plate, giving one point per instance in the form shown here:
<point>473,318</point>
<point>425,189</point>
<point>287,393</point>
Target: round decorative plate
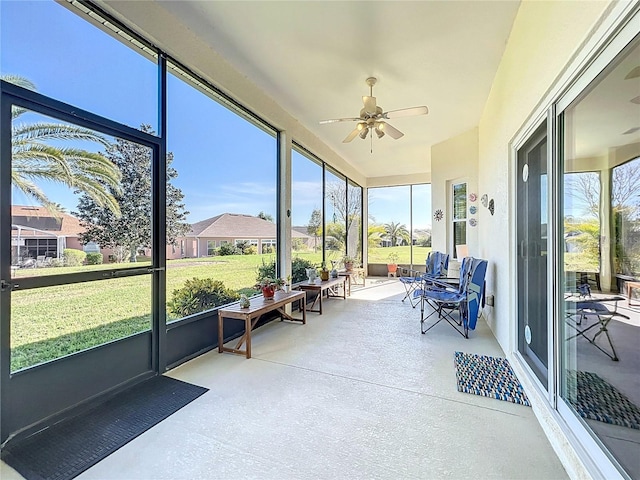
<point>473,222</point>
<point>484,200</point>
<point>473,197</point>
<point>472,209</point>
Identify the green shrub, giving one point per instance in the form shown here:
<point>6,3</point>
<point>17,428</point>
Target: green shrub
<point>55,262</point>
<point>73,257</point>
<point>95,258</point>
<point>228,249</point>
<point>298,269</point>
<point>198,295</point>
<point>250,250</point>
<point>267,249</point>
<point>266,270</point>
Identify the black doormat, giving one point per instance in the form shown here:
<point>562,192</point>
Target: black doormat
<point>70,447</point>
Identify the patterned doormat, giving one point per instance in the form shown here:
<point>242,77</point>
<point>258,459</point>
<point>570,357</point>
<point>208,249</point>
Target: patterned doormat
<point>488,377</point>
<point>598,400</point>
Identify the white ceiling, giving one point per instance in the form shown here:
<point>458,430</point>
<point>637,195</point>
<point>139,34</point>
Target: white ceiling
<point>312,58</point>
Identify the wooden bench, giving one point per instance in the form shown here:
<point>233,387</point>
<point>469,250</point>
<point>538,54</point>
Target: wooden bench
<point>250,316</point>
<point>329,286</point>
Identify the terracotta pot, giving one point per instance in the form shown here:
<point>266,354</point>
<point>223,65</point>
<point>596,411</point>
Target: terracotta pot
<point>324,274</point>
<point>392,267</point>
<point>268,292</point>
<point>348,266</point>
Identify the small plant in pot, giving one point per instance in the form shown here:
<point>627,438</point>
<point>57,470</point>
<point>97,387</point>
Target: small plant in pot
<point>392,263</point>
<point>324,272</point>
<point>349,262</point>
<point>268,286</point>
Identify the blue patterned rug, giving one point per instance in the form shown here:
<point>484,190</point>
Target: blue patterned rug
<point>598,400</point>
<point>488,377</point>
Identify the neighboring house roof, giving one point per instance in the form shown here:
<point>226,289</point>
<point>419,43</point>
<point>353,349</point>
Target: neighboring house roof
<point>39,218</point>
<point>236,225</point>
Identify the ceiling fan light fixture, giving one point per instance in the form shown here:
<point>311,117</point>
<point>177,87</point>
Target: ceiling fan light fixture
<point>380,131</point>
<point>360,126</point>
<point>363,133</point>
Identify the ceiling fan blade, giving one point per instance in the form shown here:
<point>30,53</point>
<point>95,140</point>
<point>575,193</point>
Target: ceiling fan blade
<point>369,104</point>
<point>406,112</point>
<point>335,120</point>
<point>352,135</point>
<point>391,131</point>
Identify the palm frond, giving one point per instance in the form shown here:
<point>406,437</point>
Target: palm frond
<point>40,132</point>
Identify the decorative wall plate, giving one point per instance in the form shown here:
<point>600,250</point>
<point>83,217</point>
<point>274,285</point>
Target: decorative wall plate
<point>484,200</point>
<point>438,214</point>
<point>473,222</point>
<point>492,206</point>
<point>472,209</point>
<point>473,197</point>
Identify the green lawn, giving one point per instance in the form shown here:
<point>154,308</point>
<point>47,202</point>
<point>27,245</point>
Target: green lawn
<point>381,254</point>
<point>49,322</point>
<point>53,321</point>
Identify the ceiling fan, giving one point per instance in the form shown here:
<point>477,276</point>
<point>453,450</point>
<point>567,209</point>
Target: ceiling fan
<point>372,117</point>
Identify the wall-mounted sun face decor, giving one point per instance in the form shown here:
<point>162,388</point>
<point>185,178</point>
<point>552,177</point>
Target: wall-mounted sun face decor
<point>473,197</point>
<point>473,222</point>
<point>438,215</point>
<point>472,210</point>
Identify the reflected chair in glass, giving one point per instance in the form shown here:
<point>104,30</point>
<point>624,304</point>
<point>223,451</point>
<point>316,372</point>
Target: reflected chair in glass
<point>587,313</point>
<point>444,300</point>
<point>437,265</point>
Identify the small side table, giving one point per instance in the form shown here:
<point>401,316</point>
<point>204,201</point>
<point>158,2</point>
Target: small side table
<point>629,286</point>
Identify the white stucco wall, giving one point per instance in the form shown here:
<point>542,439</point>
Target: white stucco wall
<point>544,38</point>
<point>453,161</point>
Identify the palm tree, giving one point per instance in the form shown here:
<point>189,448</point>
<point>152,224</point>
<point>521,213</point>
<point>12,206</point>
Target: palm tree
<point>34,158</point>
<point>395,232</point>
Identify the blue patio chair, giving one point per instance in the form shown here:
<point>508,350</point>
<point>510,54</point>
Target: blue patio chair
<point>437,267</point>
<point>445,300</point>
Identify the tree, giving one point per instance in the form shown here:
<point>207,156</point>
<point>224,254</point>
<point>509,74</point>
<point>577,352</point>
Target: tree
<point>132,229</point>
<point>314,227</point>
<point>347,208</point>
<point>396,231</point>
<point>35,159</point>
<point>265,216</point>
<point>374,235</point>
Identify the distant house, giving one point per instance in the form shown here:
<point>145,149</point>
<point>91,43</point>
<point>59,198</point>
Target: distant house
<point>207,235</point>
<point>37,233</point>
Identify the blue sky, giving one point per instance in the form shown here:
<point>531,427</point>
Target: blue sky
<point>225,163</point>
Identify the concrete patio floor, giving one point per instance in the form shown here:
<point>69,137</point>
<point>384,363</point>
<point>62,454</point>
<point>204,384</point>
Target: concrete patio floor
<point>358,392</point>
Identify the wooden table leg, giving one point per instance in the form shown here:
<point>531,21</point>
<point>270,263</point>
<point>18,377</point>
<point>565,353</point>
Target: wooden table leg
<point>220,332</point>
<point>304,310</point>
<point>247,326</point>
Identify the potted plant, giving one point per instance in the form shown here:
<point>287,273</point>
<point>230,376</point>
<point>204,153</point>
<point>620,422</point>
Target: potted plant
<point>287,284</point>
<point>392,264</point>
<point>349,262</point>
<point>269,286</point>
<point>324,272</point>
